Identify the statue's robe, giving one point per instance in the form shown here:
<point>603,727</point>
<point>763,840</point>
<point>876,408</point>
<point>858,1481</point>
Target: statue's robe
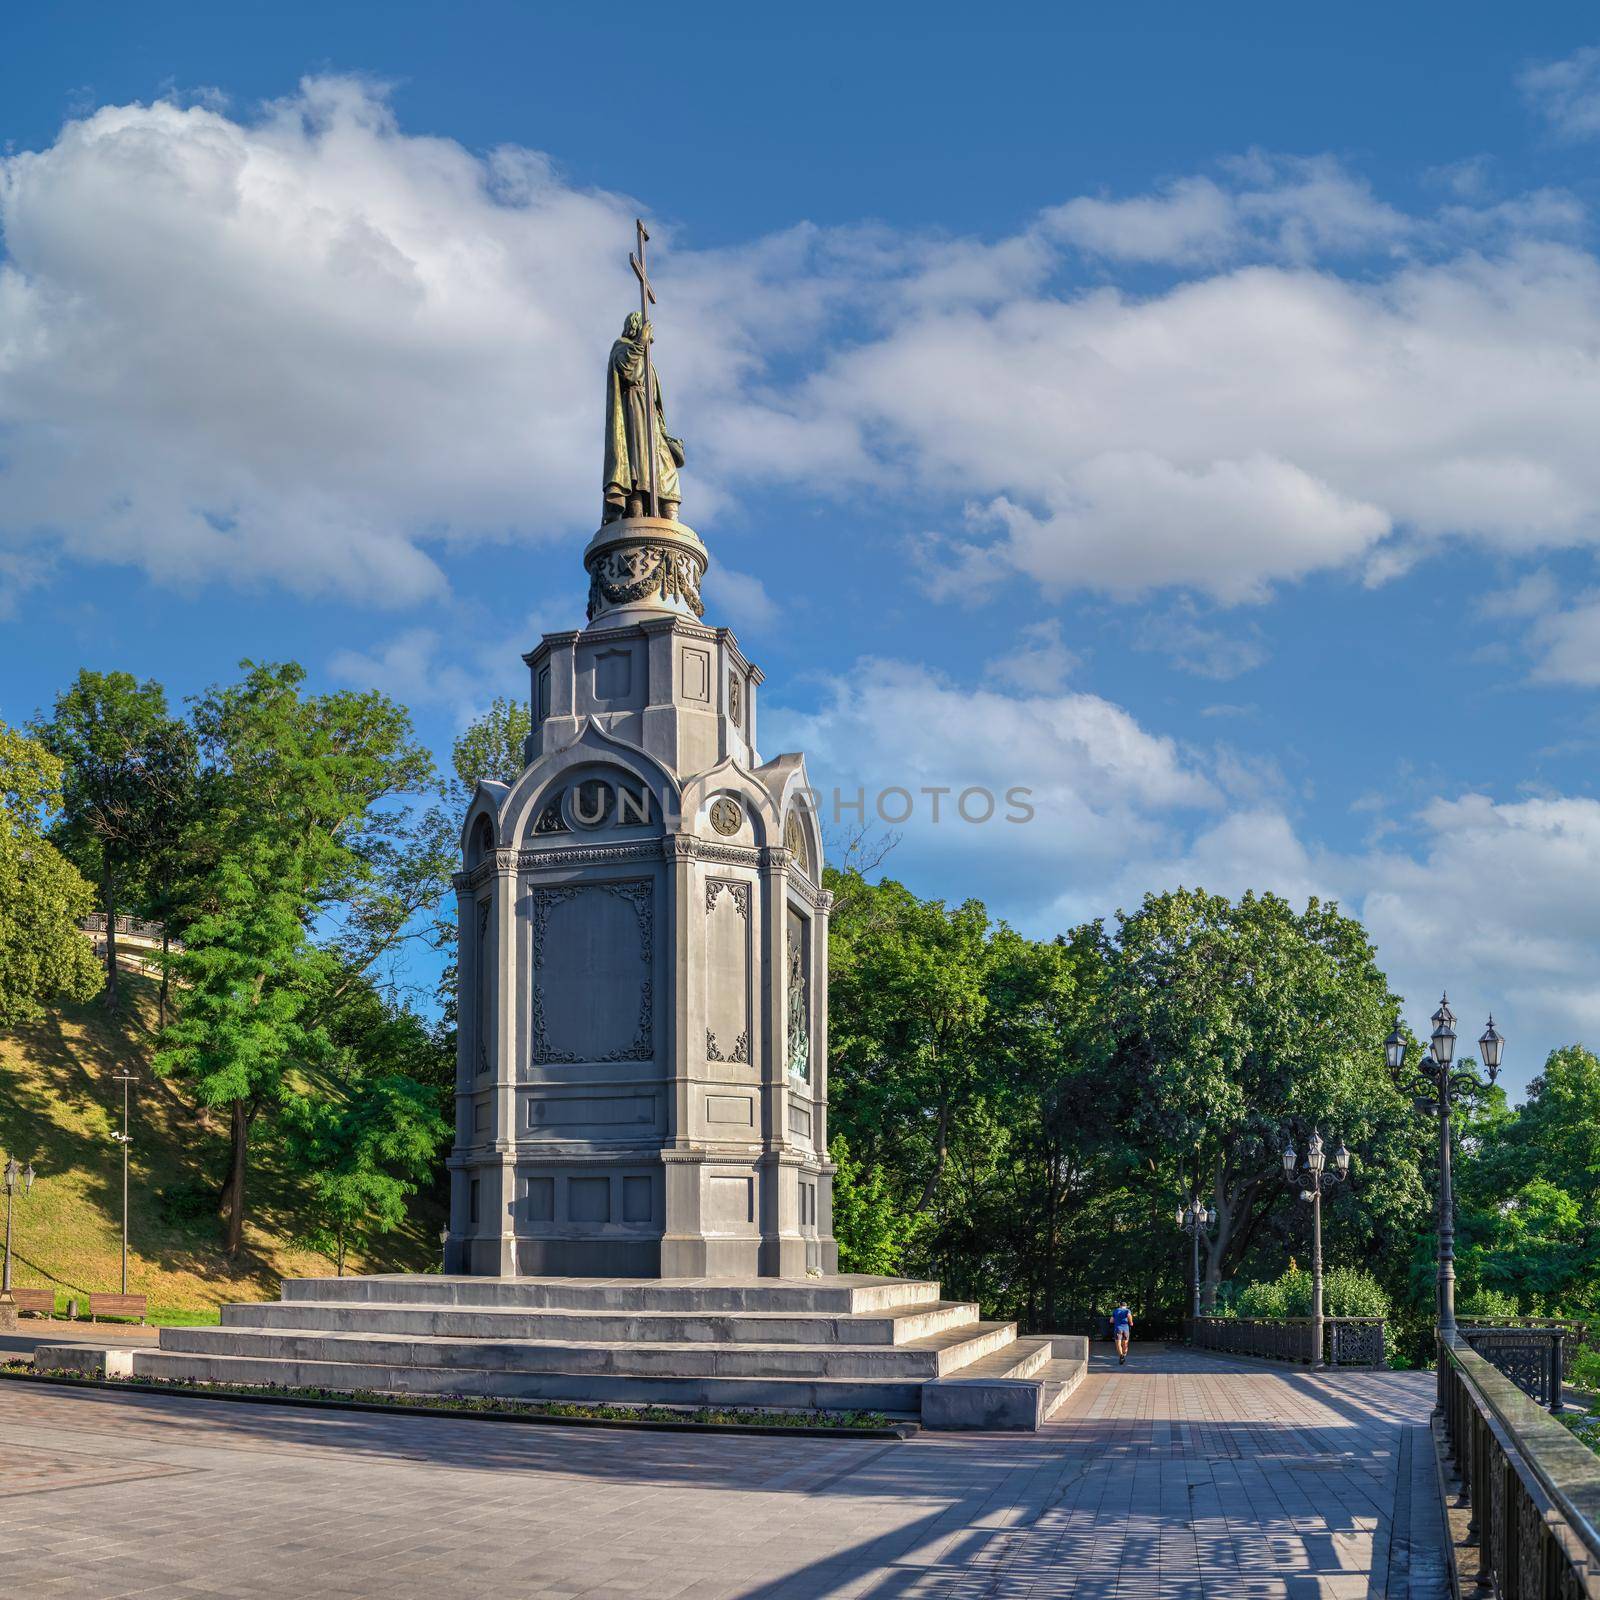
<point>630,434</point>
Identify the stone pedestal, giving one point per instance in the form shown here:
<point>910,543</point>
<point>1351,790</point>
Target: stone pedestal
<point>641,1084</point>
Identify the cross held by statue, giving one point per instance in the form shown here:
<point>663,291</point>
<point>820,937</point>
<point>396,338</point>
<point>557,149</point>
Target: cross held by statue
<point>647,298</point>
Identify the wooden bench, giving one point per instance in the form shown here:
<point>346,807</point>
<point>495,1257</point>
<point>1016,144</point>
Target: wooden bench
<point>118,1305</point>
<point>42,1302</point>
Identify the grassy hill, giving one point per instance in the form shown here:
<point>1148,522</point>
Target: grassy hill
<point>59,1107</point>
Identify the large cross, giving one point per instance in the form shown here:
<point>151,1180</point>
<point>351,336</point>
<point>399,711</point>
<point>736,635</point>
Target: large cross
<point>647,298</point>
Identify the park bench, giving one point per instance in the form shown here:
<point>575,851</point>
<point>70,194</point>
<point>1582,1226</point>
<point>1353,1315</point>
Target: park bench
<point>118,1305</point>
<point>41,1302</point>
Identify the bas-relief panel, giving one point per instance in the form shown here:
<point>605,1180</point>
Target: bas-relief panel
<point>593,952</point>
<point>727,965</point>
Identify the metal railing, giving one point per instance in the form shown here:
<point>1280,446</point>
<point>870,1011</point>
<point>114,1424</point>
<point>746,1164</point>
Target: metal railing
<point>132,927</point>
<point>1347,1341</point>
<point>1533,1487</point>
<point>1574,1333</point>
<point>1530,1356</point>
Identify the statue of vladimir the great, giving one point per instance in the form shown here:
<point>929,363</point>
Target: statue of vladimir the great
<point>636,425</point>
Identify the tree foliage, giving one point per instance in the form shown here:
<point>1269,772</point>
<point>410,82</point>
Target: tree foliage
<point>44,958</point>
<point>128,783</point>
<point>305,835</point>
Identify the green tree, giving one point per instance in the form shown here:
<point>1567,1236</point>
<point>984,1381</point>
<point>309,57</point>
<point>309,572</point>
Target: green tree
<point>305,835</point>
<point>43,897</point>
<point>129,778</point>
<point>1231,1024</point>
<point>365,1126</point>
<point>1530,1191</point>
<point>491,747</point>
<point>870,1229</point>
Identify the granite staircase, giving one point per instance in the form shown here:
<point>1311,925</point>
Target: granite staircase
<point>837,1343</point>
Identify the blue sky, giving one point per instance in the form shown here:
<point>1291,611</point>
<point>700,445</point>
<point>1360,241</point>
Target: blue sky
<point>1189,417</point>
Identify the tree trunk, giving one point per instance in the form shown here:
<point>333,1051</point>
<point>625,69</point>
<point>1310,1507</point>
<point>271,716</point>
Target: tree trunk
<point>166,978</point>
<point>111,999</point>
<point>233,1190</point>
<point>941,1153</point>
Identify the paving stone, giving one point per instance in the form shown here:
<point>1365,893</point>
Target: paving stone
<point>1178,1477</point>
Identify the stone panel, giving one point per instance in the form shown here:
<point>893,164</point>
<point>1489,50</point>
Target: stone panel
<point>728,941</point>
<point>592,962</point>
<point>541,1201</point>
<point>638,1200</point>
<point>697,675</point>
<point>730,1201</point>
<point>588,1199</point>
<point>591,1110</point>
<point>737,1109</point>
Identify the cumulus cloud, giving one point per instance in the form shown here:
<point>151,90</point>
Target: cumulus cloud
<point>1038,661</point>
<point>308,348</point>
<point>1292,208</point>
<point>1566,93</point>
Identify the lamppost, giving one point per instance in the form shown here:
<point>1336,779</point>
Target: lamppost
<point>1194,1219</point>
<point>124,1139</point>
<point>1311,1180</point>
<point>13,1173</point>
<point>1442,1087</point>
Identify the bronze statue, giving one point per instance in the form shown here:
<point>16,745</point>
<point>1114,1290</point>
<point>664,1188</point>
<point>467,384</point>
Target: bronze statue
<point>642,458</point>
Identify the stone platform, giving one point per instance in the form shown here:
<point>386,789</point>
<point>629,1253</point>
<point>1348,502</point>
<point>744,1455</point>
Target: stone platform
<point>832,1343</point>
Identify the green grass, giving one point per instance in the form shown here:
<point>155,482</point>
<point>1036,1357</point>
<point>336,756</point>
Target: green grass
<point>59,1107</point>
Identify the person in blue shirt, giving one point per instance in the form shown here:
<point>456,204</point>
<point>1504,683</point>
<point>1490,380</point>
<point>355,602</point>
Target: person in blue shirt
<point>1122,1331</point>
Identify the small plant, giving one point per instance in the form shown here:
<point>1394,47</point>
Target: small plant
<point>1346,1292</point>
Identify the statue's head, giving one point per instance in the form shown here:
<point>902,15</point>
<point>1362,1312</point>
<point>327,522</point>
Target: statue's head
<point>633,325</point>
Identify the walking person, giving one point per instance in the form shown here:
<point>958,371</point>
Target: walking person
<point>1122,1331</point>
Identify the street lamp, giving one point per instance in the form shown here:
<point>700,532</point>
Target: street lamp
<point>1194,1219</point>
<point>126,1141</point>
<point>13,1174</point>
<point>1443,1085</point>
<point>1311,1180</point>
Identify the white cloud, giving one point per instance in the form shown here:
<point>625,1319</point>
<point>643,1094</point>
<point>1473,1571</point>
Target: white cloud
<point>305,348</point>
<point>1566,93</point>
<point>311,349</point>
<point>1193,647</point>
<point>409,668</point>
<point>742,598</point>
<point>1282,207</point>
<point>1039,662</point>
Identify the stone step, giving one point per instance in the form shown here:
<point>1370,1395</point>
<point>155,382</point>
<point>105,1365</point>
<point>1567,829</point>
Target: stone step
<point>1060,1377</point>
<point>898,1325</point>
<point>1016,1386</point>
<point>935,1356</point>
<point>899,1399</point>
<point>840,1295</point>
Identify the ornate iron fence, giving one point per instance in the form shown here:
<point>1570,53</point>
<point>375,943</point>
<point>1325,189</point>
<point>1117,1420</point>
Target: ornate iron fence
<point>1531,1357</point>
<point>1575,1334</point>
<point>1347,1341</point>
<point>1533,1487</point>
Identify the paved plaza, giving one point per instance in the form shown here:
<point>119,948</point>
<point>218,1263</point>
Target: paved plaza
<point>1181,1477</point>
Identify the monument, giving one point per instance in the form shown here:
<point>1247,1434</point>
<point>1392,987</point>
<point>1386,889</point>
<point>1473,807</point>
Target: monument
<point>640,1196</point>
<point>641,1080</point>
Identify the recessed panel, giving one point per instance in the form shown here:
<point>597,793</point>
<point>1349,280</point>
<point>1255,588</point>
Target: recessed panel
<point>738,1110</point>
<point>588,1199</point>
<point>592,948</point>
<point>730,1202</point>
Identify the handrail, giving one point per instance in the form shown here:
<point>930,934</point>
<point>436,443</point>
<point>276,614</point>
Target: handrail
<point>1487,1416</point>
<point>1350,1341</point>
